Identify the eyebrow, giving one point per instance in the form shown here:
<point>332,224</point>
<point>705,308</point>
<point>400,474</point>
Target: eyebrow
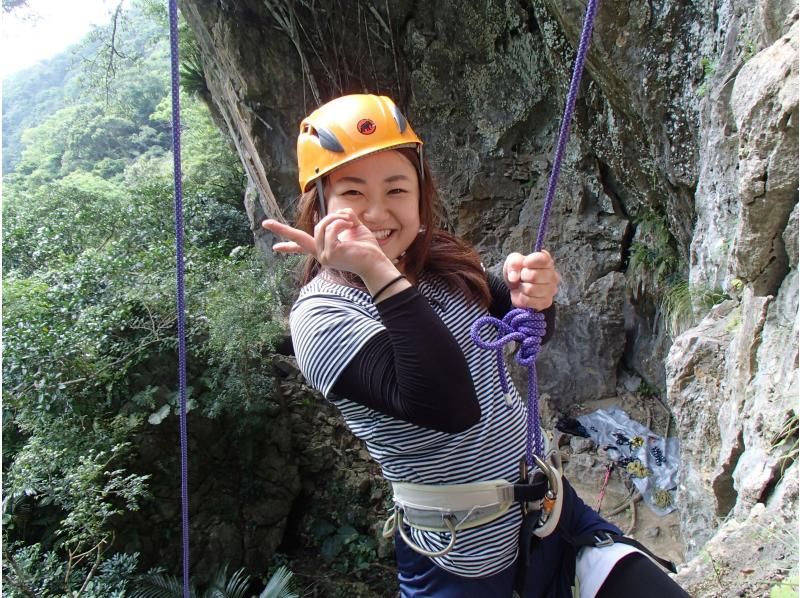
<point>354,179</point>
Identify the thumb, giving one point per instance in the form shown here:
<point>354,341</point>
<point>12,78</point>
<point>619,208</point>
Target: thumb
<point>512,269</point>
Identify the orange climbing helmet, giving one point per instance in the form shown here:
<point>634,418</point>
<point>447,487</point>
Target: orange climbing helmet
<point>346,129</point>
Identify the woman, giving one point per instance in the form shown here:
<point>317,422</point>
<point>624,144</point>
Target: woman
<point>382,329</point>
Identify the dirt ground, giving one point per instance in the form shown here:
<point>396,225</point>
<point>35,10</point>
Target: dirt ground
<point>585,468</point>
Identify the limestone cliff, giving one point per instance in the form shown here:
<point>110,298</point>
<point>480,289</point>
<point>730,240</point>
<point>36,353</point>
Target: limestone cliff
<point>681,174</point>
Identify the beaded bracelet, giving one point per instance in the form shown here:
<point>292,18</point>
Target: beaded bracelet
<point>386,286</point>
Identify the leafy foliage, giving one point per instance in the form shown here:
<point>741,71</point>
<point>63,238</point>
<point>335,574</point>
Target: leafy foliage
<point>31,571</point>
<point>193,78</point>
<point>89,308</point>
<point>242,330</point>
<point>156,585</point>
<point>653,257</point>
<point>682,304</point>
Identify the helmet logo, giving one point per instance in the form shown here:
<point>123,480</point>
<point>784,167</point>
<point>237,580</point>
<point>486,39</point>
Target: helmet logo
<point>366,126</point>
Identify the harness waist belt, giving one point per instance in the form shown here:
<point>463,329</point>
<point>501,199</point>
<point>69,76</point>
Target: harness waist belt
<point>428,506</point>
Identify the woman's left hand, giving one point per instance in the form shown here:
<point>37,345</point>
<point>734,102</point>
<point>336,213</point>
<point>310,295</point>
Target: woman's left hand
<point>532,278</point>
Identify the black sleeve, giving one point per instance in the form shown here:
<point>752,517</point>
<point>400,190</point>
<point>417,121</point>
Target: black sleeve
<point>501,305</point>
<point>633,573</point>
<point>414,371</point>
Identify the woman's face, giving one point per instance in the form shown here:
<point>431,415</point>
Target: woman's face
<point>383,190</point>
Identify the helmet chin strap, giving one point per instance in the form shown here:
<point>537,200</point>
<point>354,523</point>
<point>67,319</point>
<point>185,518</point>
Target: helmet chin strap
<point>321,198</point>
<point>421,169</point>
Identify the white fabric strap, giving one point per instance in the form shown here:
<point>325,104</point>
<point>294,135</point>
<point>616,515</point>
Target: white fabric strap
<point>426,506</point>
<point>594,564</point>
<point>452,497</point>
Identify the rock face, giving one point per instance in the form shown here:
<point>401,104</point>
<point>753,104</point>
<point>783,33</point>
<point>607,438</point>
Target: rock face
<point>681,167</point>
<point>256,480</point>
<point>732,380</point>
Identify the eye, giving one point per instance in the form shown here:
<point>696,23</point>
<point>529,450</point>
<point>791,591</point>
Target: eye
<point>351,192</point>
<point>397,191</point>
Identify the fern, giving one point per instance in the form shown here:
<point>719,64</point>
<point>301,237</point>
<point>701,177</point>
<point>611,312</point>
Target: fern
<point>221,586</point>
<point>193,78</point>
<point>676,306</point>
<point>161,586</point>
<point>682,304</point>
<point>653,259</point>
<point>278,586</point>
<point>787,441</point>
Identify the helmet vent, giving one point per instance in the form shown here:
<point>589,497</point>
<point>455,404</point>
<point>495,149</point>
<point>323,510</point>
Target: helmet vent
<point>399,119</point>
<point>328,140</point>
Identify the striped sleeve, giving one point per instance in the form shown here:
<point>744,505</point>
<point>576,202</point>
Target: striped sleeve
<point>327,332</point>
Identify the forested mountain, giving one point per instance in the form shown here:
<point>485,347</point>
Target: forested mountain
<point>91,72</point>
<point>30,96</point>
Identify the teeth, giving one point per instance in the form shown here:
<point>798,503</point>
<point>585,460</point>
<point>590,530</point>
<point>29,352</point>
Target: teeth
<point>381,234</point>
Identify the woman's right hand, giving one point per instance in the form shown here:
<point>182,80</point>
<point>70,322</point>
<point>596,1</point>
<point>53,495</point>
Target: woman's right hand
<point>340,241</point>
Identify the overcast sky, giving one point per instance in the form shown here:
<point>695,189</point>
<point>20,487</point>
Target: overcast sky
<point>46,27</point>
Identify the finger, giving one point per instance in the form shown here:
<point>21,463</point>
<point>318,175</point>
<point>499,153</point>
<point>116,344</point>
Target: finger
<point>539,259</point>
<point>321,227</point>
<point>512,267</point>
<point>288,247</point>
<point>537,291</point>
<point>333,230</point>
<point>538,275</point>
<point>301,238</point>
<point>345,214</point>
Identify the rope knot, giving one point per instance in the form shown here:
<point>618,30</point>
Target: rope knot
<point>523,326</point>
<point>526,327</point>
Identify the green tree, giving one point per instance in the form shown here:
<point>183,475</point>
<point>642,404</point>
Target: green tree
<point>89,320</point>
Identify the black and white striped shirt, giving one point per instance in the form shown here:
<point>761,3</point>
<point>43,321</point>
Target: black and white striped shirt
<point>331,322</point>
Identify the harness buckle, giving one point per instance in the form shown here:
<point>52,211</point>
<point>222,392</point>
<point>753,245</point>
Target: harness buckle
<point>603,542</point>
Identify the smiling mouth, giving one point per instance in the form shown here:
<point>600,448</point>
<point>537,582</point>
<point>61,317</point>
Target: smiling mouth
<point>383,236</point>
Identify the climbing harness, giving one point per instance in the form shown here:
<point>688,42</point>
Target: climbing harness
<point>454,507</point>
<point>179,269</point>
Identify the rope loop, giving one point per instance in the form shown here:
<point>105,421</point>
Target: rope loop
<point>524,326</point>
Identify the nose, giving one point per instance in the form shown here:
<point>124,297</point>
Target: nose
<point>375,210</point>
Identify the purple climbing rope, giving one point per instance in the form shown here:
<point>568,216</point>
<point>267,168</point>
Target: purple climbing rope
<point>176,158</point>
<point>525,326</point>
<point>563,133</point>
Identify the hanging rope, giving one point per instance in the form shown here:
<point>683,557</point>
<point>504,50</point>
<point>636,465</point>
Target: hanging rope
<point>176,157</point>
<point>526,326</point>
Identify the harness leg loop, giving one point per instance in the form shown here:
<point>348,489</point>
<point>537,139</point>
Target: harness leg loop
<point>448,521</point>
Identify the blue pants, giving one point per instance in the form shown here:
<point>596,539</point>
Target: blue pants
<point>550,575</point>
